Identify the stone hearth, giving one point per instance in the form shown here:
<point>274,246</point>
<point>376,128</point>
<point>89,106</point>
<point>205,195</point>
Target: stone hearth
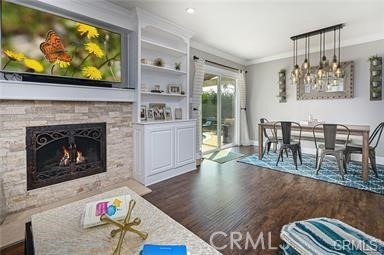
<point>15,116</point>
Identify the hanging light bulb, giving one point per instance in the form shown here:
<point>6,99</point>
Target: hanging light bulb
<point>334,64</point>
<point>320,71</point>
<point>334,60</point>
<point>297,71</point>
<point>307,77</point>
<point>339,73</point>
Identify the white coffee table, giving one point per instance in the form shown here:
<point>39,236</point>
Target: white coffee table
<point>58,231</point>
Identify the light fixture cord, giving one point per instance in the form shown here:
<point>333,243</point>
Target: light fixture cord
<point>296,52</point>
<point>293,57</point>
<point>324,44</point>
<point>334,42</point>
<point>321,36</point>
<point>339,45</point>
<point>306,44</point>
<point>309,47</point>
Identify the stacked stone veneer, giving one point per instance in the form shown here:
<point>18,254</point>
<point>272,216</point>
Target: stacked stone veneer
<point>15,116</point>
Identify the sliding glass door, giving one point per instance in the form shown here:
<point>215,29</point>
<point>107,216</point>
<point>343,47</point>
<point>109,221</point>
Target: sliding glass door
<point>219,103</point>
<point>228,110</point>
<point>209,107</point>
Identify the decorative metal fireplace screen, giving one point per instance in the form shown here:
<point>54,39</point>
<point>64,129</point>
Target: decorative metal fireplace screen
<point>64,152</point>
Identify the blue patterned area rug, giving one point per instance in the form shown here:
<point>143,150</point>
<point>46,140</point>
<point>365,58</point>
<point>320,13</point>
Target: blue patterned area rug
<point>329,171</point>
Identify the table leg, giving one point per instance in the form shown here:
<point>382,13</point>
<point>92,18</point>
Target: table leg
<point>261,142</point>
<point>365,156</point>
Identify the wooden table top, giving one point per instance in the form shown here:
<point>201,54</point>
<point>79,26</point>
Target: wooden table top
<point>353,128</point>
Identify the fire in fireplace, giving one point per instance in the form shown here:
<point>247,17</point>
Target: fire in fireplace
<point>77,156</point>
<point>64,152</point>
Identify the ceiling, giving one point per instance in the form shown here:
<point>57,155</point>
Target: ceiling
<point>255,31</point>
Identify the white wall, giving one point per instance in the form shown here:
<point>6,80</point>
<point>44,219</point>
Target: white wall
<point>263,87</point>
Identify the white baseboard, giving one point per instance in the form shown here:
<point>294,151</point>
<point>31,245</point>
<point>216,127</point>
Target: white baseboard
<point>254,142</point>
<point>308,150</point>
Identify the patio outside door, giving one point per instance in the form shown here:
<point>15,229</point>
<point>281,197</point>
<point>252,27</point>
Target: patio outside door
<point>219,104</point>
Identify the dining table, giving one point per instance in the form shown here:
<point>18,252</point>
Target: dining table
<point>355,130</point>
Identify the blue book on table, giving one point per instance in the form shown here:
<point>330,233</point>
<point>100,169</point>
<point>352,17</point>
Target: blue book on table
<point>152,249</point>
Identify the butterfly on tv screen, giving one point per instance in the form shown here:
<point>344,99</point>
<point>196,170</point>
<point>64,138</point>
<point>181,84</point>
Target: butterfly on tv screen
<point>53,48</point>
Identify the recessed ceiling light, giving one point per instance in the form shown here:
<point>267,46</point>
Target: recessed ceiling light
<point>190,10</point>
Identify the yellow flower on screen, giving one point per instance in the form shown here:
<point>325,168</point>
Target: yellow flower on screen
<point>15,56</point>
<point>93,48</point>
<point>34,65</point>
<point>87,29</point>
<point>62,64</point>
<point>92,73</point>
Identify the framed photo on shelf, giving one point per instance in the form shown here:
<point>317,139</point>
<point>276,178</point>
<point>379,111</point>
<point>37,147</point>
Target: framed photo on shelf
<point>168,113</point>
<point>150,116</point>
<point>178,113</point>
<point>174,89</point>
<point>143,112</point>
<point>158,111</point>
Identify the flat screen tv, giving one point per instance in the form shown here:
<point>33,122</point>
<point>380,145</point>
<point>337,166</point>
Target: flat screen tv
<point>40,46</point>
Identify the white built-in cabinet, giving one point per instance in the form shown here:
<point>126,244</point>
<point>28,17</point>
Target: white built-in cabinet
<point>163,148</point>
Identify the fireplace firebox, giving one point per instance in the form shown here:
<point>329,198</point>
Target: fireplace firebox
<point>61,153</point>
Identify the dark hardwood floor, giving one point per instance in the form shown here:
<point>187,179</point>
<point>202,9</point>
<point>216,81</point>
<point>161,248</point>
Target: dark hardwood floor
<point>244,198</point>
<point>236,197</point>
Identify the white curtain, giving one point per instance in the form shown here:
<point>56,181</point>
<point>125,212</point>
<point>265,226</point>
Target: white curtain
<point>198,80</point>
<point>244,134</point>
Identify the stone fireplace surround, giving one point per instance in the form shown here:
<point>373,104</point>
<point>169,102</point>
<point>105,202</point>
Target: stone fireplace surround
<point>16,115</point>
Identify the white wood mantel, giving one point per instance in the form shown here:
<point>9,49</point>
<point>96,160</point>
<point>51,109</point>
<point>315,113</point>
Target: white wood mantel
<point>15,90</point>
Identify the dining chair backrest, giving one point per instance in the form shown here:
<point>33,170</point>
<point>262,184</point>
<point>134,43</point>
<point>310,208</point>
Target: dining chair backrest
<point>330,132</point>
<point>265,130</point>
<point>286,130</point>
<point>264,120</point>
<point>374,139</point>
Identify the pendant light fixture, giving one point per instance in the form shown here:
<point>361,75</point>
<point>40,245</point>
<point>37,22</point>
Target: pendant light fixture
<point>325,71</point>
<point>334,60</point>
<point>296,69</point>
<point>324,59</point>
<point>305,65</point>
<point>339,73</point>
<point>320,69</point>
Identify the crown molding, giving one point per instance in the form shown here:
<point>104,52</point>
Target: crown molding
<point>351,42</point>
<point>218,53</point>
<point>147,18</point>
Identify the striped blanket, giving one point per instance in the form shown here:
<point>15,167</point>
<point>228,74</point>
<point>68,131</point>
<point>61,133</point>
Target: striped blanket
<point>327,236</point>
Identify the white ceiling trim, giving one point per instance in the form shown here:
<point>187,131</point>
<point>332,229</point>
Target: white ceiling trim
<point>356,41</point>
<point>216,52</point>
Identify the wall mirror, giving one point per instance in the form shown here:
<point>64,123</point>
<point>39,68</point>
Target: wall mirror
<point>329,87</point>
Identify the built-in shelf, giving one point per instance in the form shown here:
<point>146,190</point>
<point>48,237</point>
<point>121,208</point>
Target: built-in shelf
<point>144,122</point>
<point>146,44</point>
<point>162,69</point>
<point>162,94</point>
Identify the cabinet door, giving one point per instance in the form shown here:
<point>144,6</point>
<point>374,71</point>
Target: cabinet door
<point>160,149</point>
<point>185,144</point>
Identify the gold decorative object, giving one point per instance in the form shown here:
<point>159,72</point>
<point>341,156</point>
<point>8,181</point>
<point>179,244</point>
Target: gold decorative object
<point>124,226</point>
